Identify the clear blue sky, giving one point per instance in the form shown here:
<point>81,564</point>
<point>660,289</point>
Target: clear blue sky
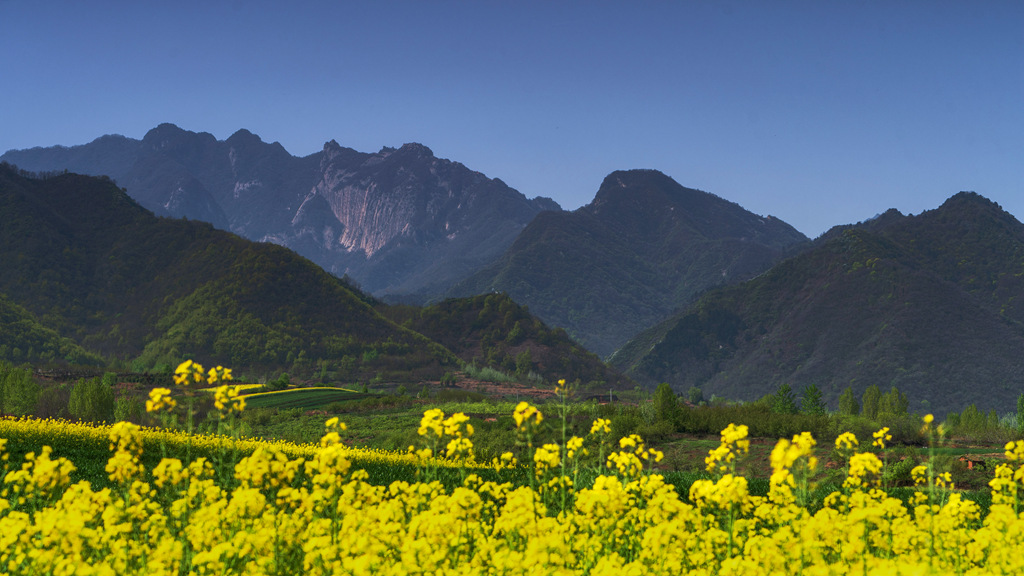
<point>819,113</point>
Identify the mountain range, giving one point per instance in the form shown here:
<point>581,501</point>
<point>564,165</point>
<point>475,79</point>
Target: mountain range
<point>408,227</point>
<point>91,276</point>
<point>400,222</point>
<point>928,303</point>
<point>672,284</point>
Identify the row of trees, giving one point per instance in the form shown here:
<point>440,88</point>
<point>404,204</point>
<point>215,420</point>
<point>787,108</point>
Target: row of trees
<point>91,400</point>
<point>877,405</point>
<point>874,404</point>
<point>784,413</point>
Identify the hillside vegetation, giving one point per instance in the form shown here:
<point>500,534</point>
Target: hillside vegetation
<point>94,266</point>
<point>493,330</point>
<point>643,248</point>
<point>92,276</point>
<point>928,303</point>
<point>24,339</point>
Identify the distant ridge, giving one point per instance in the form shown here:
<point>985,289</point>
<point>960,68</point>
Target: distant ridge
<point>644,247</point>
<point>399,222</point>
<point>928,303</point>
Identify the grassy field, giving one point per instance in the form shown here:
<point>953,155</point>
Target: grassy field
<point>308,398</point>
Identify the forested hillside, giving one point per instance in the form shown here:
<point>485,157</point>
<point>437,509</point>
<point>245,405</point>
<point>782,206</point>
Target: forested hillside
<point>96,267</point>
<point>929,303</point>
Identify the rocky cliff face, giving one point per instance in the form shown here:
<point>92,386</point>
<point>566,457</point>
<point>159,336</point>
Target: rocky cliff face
<point>405,209</point>
<point>400,222</point>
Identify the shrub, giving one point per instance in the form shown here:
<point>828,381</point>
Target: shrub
<point>19,392</point>
<point>92,401</point>
<point>128,409</point>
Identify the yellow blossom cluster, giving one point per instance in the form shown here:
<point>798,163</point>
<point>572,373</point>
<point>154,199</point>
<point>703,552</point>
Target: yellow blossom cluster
<point>526,416</point>
<point>734,446</point>
<point>160,400</point>
<point>227,401</point>
<point>881,437</point>
<point>316,512</point>
<point>434,427</point>
<point>629,460</point>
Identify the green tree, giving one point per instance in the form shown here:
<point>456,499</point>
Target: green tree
<point>666,404</point>
<point>970,421</point>
<point>848,405</point>
<point>870,402</point>
<point>811,402</point>
<point>524,361</point>
<point>784,402</point>
<point>128,409</point>
<point>515,335</point>
<point>19,392</point>
<point>695,395</point>
<point>893,403</point>
<point>5,369</point>
<point>91,401</point>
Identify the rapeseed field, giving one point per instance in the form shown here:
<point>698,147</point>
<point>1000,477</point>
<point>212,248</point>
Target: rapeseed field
<point>309,509</point>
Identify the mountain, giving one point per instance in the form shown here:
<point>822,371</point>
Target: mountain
<point>89,272</point>
<point>927,303</point>
<point>493,330</point>
<point>24,340</point>
<point>643,248</point>
<point>92,265</point>
<point>399,222</point>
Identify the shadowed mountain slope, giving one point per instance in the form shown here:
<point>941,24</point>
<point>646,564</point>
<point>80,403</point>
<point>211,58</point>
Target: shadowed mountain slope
<point>643,248</point>
<point>928,303</point>
<point>492,330</point>
<point>90,263</point>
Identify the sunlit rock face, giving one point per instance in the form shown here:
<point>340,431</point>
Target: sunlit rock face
<point>403,221</point>
<point>399,222</point>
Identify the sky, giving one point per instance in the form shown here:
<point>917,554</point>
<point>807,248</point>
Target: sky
<point>816,112</point>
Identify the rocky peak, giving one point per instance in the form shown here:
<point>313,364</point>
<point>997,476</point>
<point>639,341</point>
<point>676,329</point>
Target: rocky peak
<point>628,187</point>
<point>337,157</point>
<point>399,219</point>
<point>415,149</point>
<point>969,201</point>
<point>168,138</point>
<point>546,204</point>
<point>243,138</point>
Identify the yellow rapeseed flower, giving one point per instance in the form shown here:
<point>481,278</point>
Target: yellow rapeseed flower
<point>188,372</point>
<point>218,374</point>
<point>601,426</point>
<point>227,401</point>
<point>160,400</point>
<point>881,437</point>
<point>526,415</point>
